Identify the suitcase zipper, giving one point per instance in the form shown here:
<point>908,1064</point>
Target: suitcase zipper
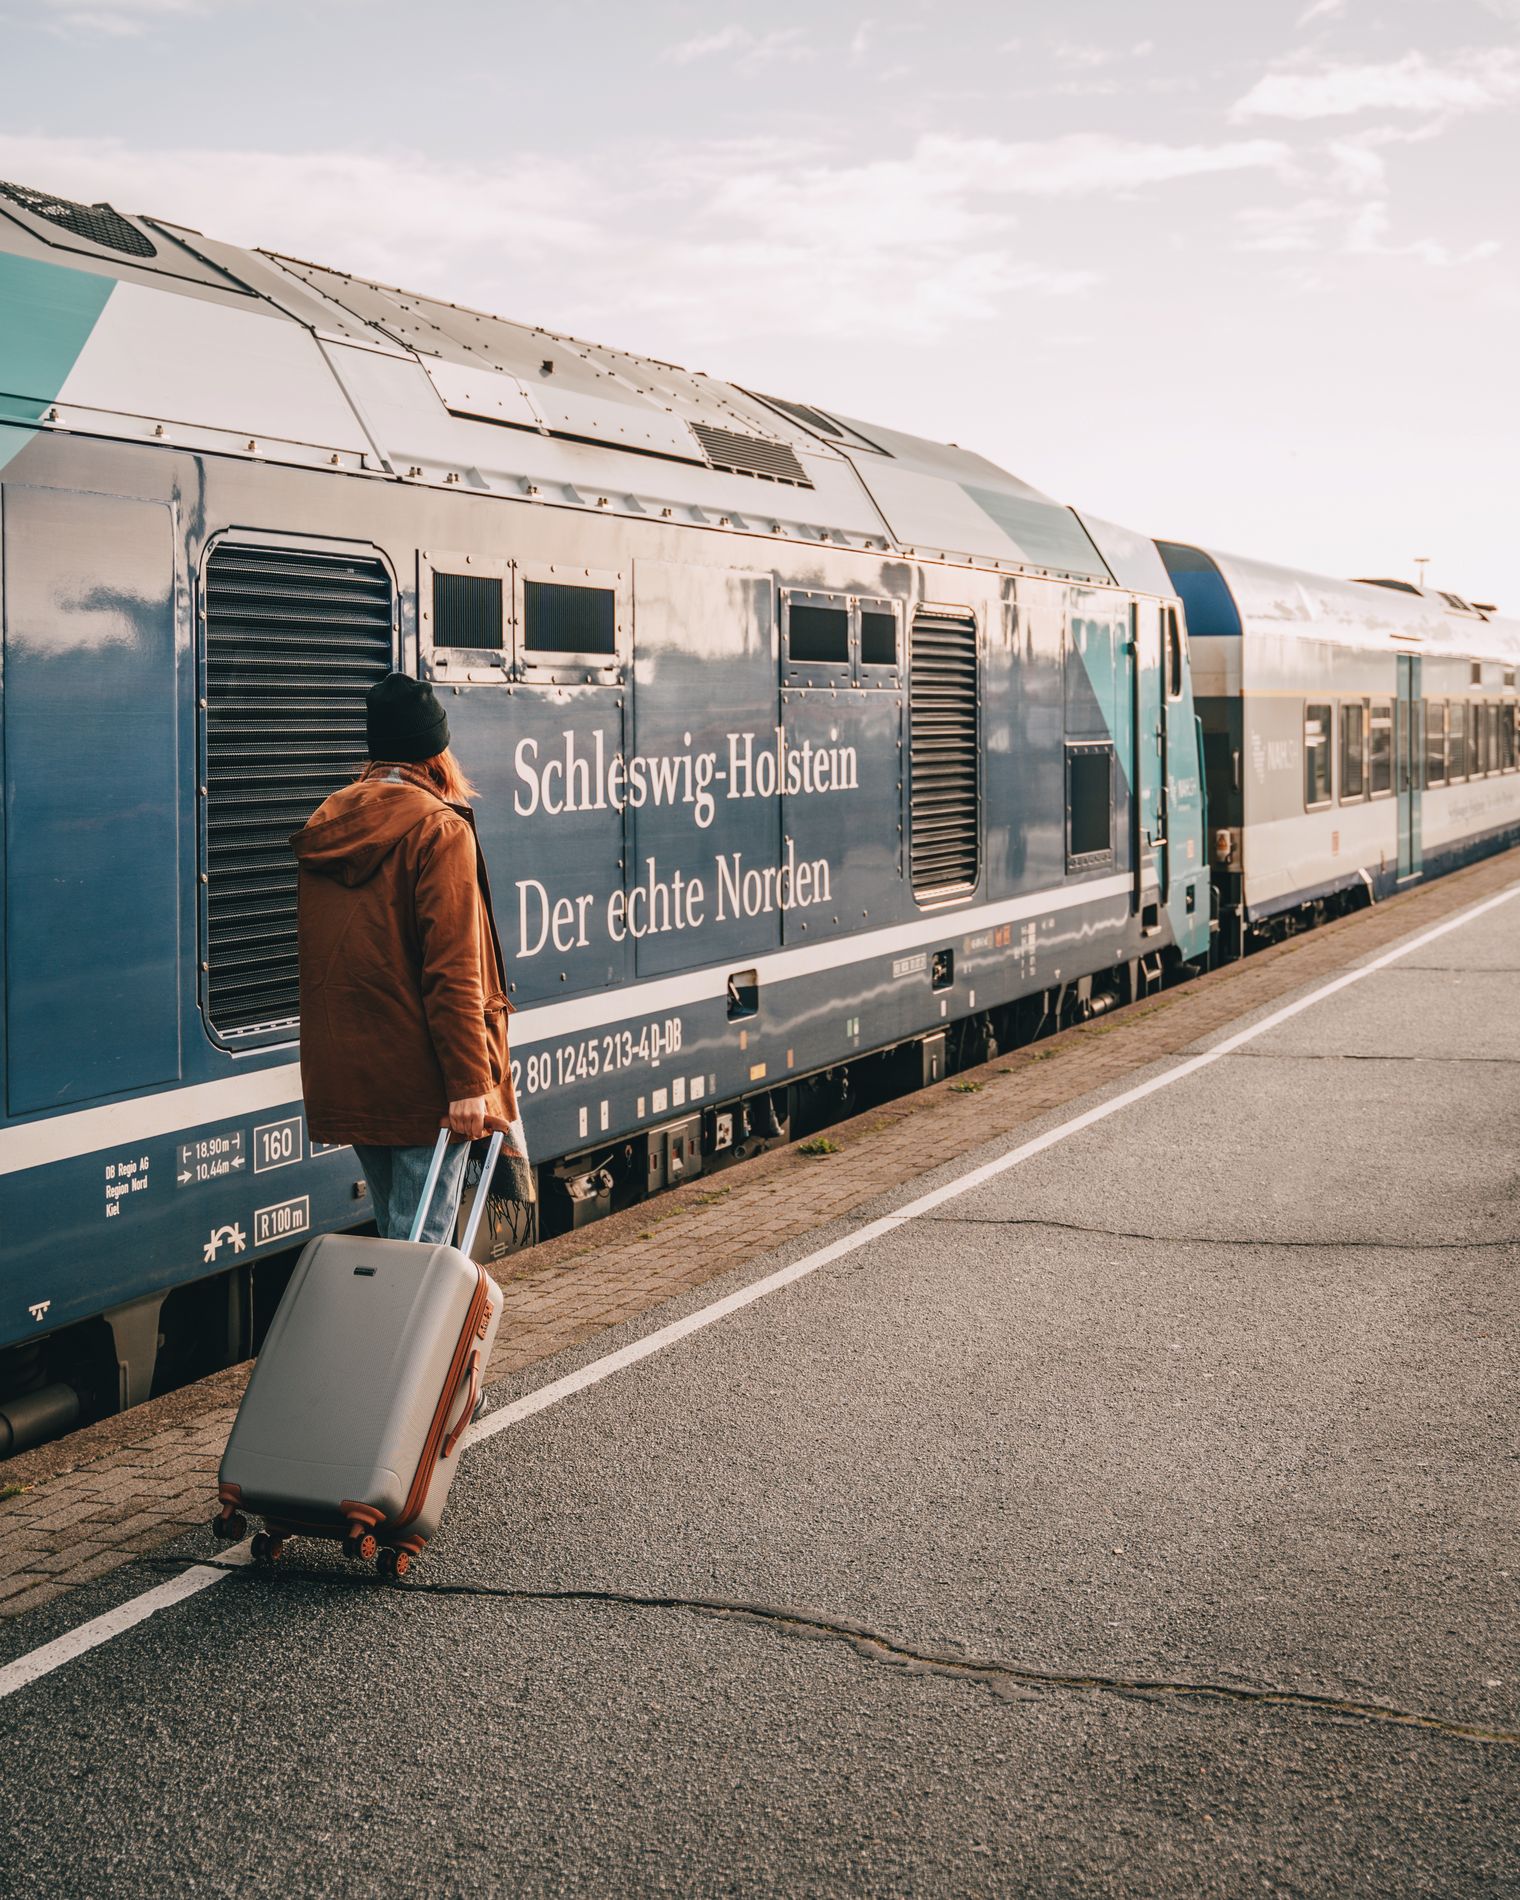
<point>417,1495</point>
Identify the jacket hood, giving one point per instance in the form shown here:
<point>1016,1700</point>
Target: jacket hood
<point>349,835</point>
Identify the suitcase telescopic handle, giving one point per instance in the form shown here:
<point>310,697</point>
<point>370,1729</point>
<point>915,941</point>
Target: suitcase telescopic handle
<point>472,1225</point>
<point>430,1187</point>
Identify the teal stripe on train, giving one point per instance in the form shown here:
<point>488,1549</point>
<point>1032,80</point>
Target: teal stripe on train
<point>46,315</point>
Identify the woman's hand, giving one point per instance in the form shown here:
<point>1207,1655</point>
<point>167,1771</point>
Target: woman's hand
<point>468,1117</point>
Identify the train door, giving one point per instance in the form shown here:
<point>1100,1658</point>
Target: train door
<point>1148,851</point>
<point>1408,753</point>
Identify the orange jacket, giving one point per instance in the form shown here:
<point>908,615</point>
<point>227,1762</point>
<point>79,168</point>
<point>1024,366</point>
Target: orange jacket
<point>403,997</point>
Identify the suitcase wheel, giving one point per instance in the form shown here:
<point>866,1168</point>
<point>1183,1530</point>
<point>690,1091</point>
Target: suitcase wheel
<point>394,1564</point>
<point>360,1543</point>
<point>230,1526</point>
<point>267,1549</point>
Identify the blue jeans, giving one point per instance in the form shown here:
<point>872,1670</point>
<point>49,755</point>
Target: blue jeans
<point>396,1179</point>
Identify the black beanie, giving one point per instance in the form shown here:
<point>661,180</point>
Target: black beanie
<point>403,719</point>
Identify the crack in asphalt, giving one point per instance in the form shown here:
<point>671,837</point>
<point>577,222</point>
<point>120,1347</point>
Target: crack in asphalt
<point>1004,1679</point>
<point>1218,1240</point>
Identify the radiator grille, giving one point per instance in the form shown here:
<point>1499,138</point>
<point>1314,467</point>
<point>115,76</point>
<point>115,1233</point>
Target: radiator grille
<point>944,804</point>
<point>294,640</point>
<point>98,222</point>
<point>739,454</point>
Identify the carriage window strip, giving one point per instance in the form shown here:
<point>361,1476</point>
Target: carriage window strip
<point>1318,718</point>
<point>1380,748</point>
<point>1353,752</point>
<point>1456,739</point>
<point>1435,742</point>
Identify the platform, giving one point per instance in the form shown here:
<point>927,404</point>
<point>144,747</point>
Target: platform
<point>1097,1475</point>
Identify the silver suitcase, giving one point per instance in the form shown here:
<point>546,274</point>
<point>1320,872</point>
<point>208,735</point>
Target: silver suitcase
<point>351,1424</point>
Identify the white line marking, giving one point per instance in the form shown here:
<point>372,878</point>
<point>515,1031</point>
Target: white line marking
<point>200,1577</point>
<point>100,1629</point>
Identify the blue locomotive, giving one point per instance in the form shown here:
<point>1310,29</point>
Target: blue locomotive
<point>815,757</point>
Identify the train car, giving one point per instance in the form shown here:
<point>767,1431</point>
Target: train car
<point>802,743</point>
<point>1358,735</point>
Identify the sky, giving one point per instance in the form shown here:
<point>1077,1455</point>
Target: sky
<point>1247,274</point>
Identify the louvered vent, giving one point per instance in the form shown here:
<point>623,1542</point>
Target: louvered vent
<point>98,223</point>
<point>738,454</point>
<point>294,640</point>
<point>944,808</point>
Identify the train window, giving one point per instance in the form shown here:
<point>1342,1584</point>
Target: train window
<point>564,619</point>
<point>1317,766</point>
<point>1511,731</point>
<point>878,637</point>
<point>818,635</point>
<point>1380,748</point>
<point>1173,634</point>
<point>1353,751</point>
<point>467,611</point>
<point>1089,807</point>
<point>1495,754</point>
<point>1456,740</point>
<point>1477,761</point>
<point>1435,742</point>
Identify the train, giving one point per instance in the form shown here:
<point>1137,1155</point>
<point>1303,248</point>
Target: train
<point>817,760</point>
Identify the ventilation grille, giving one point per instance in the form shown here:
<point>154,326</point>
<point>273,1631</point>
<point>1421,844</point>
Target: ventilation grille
<point>740,454</point>
<point>944,803</point>
<point>98,223</point>
<point>294,640</point>
<point>467,611</point>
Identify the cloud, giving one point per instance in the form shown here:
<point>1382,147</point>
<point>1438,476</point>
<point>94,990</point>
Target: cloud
<point>1085,54</point>
<point>121,19</point>
<point>1326,224</point>
<point>1368,237</point>
<point>1081,164</point>
<point>1320,10</point>
<point>1467,83</point>
<point>745,46</point>
<point>1357,164</point>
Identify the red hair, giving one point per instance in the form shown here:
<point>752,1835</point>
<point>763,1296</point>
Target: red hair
<point>447,774</point>
<point>450,777</point>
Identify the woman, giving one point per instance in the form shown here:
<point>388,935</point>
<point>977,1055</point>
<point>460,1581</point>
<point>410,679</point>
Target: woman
<point>403,994</point>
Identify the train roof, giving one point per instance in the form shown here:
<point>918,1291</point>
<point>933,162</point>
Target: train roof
<point>137,327</point>
<point>1231,595</point>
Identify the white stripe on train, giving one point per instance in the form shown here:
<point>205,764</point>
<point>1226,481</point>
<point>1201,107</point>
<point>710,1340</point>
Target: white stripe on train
<point>121,1124</point>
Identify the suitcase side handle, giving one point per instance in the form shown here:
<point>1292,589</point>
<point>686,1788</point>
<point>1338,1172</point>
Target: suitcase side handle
<point>430,1187</point>
<point>467,1411</point>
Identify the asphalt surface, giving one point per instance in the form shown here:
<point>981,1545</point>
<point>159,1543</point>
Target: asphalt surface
<point>1057,1542</point>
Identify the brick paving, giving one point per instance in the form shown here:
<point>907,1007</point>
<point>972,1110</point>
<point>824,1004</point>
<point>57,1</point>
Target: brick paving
<point>88,1503</point>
